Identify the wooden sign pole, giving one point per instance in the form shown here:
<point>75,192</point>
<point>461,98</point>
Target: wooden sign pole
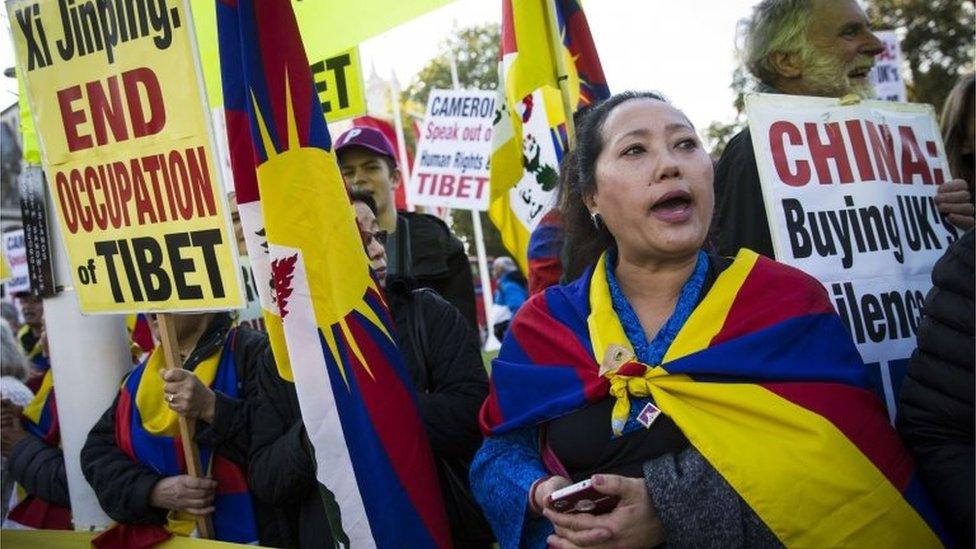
<point>191,454</point>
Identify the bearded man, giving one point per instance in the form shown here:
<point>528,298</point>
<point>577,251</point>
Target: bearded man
<point>799,47</point>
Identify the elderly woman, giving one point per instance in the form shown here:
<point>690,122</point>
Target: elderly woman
<point>720,399</point>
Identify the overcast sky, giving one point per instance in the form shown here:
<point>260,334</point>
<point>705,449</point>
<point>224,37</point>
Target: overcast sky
<point>684,49</point>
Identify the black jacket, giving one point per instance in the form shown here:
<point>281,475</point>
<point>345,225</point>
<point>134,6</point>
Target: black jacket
<point>39,468</point>
<point>435,258</point>
<point>740,212</point>
<point>935,412</point>
<point>453,384</point>
<point>282,467</point>
<point>123,486</point>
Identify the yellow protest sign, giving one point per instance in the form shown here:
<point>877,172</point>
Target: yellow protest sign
<point>118,106</point>
<point>339,83</point>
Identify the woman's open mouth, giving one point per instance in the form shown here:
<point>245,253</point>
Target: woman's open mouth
<point>673,207</point>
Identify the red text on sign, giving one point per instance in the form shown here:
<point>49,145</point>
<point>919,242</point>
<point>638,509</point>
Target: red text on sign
<point>853,151</point>
<point>449,185</point>
<point>135,103</point>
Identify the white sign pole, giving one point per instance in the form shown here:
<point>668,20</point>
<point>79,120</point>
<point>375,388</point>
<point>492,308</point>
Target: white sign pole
<point>89,355</point>
<point>491,342</point>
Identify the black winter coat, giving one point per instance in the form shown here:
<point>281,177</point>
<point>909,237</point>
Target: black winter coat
<point>123,486</point>
<point>282,468</point>
<point>435,259</point>
<point>39,468</point>
<point>935,412</point>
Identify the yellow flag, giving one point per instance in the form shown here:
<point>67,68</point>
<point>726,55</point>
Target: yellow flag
<point>529,135</point>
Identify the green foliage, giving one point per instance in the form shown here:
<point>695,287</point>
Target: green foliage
<point>475,51</point>
<point>718,134</point>
<point>938,42</point>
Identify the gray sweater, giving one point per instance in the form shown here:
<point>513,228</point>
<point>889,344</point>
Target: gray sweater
<point>698,508</point>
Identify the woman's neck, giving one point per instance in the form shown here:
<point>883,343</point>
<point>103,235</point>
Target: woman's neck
<point>652,287</point>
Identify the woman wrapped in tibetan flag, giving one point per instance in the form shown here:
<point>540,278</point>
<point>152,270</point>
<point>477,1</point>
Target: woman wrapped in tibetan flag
<point>721,399</point>
<point>133,457</point>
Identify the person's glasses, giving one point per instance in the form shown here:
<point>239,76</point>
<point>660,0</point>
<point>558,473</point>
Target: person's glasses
<point>379,236</point>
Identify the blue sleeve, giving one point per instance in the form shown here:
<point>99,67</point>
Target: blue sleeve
<point>513,295</point>
<point>502,473</point>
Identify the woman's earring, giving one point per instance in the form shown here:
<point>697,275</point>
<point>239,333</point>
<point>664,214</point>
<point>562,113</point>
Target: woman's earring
<point>597,220</point>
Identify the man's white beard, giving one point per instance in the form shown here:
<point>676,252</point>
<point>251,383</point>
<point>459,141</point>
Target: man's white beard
<point>826,76</point>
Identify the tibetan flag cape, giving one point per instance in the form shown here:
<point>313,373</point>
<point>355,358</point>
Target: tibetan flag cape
<point>357,400</point>
<point>147,431</point>
<point>529,133</point>
<point>764,381</point>
<point>40,418</point>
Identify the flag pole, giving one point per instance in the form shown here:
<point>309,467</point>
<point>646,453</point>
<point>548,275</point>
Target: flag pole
<point>191,454</point>
<point>562,73</point>
<point>491,342</point>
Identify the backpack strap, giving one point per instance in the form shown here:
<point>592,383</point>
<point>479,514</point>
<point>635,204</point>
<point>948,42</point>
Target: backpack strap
<point>418,334</point>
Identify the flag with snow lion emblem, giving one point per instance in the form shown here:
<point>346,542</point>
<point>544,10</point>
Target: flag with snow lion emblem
<point>357,401</point>
<point>529,127</point>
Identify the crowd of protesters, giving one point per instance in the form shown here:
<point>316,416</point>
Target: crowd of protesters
<point>646,226</point>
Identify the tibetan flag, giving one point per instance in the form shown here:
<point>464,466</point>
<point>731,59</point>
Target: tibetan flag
<point>529,134</point>
<point>763,379</point>
<point>239,143</point>
<point>357,400</point>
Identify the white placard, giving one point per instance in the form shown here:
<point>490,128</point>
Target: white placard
<point>15,248</point>
<point>886,74</point>
<point>451,165</point>
<point>849,197</point>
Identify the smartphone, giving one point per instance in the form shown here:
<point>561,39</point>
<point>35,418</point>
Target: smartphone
<point>582,497</point>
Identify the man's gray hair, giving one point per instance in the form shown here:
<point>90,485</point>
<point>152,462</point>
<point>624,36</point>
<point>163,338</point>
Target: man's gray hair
<point>775,26</point>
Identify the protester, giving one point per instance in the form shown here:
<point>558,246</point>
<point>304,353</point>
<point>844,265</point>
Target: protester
<point>444,362</point>
<point>14,396</point>
<point>430,254</point>
<point>30,439</point>
<point>695,463</point>
<point>935,411</point>
<point>797,47</point>
<point>510,290</point>
<point>33,338</point>
<point>131,457</point>
<point>959,137</point>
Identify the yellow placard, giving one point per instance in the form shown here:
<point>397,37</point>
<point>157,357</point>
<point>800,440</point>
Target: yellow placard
<point>118,105</point>
<point>339,84</point>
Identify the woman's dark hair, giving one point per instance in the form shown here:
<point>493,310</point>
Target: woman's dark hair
<point>365,197</point>
<point>584,241</point>
<point>958,109</point>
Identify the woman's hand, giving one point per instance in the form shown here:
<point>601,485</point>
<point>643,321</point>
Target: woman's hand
<point>953,201</point>
<point>184,493</point>
<point>633,523</point>
<point>187,395</point>
<point>540,495</point>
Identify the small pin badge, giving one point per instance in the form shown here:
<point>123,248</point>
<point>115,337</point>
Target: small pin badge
<point>647,415</point>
